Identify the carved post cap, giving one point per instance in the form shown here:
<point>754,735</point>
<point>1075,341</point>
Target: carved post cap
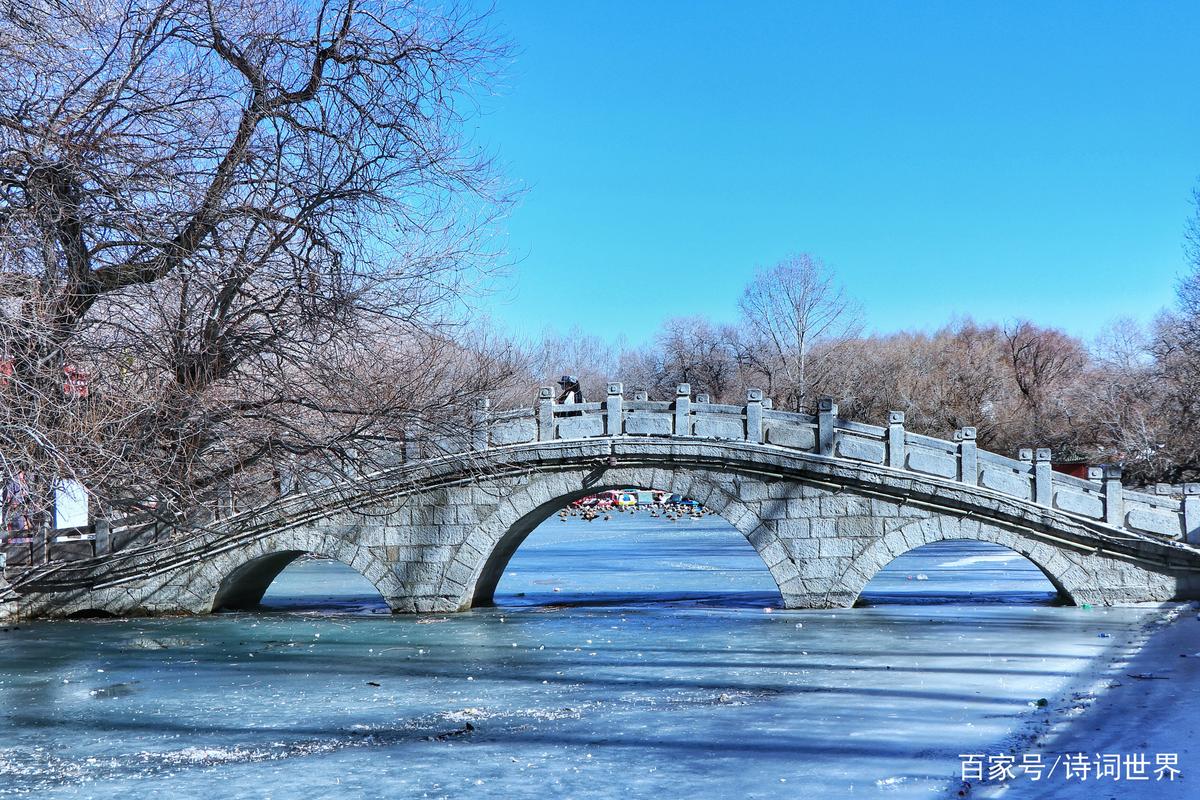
<point>754,395</point>
<point>1041,454</point>
<point>545,393</point>
<point>641,395</point>
<point>483,403</point>
<point>768,402</point>
<point>616,388</point>
<point>958,436</point>
<point>1095,473</point>
<point>1162,488</point>
<point>968,434</point>
<point>1112,473</point>
<point>703,398</point>
<point>895,418</point>
<point>1191,488</point>
<point>826,405</point>
<point>683,389</point>
<point>1025,454</point>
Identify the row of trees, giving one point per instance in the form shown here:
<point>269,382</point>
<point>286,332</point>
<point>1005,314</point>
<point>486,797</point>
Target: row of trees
<point>1131,397</point>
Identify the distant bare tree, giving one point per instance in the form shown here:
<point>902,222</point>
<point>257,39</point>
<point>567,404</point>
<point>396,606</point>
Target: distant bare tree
<point>694,351</point>
<point>789,309</point>
<point>1045,364</point>
<point>248,221</point>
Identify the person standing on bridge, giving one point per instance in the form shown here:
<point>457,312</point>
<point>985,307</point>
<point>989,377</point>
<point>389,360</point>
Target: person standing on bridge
<point>571,390</point>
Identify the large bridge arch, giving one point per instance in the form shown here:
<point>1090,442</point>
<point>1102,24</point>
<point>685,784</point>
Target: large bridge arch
<point>480,562</point>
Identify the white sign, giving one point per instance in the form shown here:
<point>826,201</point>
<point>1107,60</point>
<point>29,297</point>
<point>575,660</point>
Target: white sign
<point>70,505</point>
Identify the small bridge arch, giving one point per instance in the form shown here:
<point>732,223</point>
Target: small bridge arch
<point>238,581</point>
<point>1061,572</point>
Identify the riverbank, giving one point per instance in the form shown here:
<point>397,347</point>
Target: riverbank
<point>1142,700</point>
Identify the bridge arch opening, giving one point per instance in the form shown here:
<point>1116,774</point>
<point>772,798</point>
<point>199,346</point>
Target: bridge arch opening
<point>957,571</point>
<point>298,581</point>
<point>625,546</point>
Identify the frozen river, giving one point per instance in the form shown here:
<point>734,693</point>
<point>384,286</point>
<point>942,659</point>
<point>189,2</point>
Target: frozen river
<point>655,669</point>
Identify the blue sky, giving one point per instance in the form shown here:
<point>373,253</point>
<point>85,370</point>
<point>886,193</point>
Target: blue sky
<point>992,160</point>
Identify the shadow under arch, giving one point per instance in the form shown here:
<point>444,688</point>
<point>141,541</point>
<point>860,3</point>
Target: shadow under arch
<point>517,532</point>
<point>244,584</point>
<point>92,613</point>
<point>892,547</point>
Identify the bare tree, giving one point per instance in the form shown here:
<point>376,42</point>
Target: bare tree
<point>1045,363</point>
<point>694,351</point>
<point>250,223</point>
<point>790,308</point>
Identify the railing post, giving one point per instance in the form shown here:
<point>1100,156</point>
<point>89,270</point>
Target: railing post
<point>614,414</point>
<point>683,410</point>
<point>896,439</point>
<point>1025,455</point>
<point>479,424</point>
<point>1191,513</point>
<point>412,445</point>
<point>103,537</point>
<point>1043,478</point>
<point>41,545</point>
<point>1095,474</point>
<point>545,414</point>
<point>703,397</point>
<point>768,404</point>
<point>223,499</point>
<point>968,457</point>
<point>1114,497</point>
<point>754,416</point>
<point>288,470</point>
<point>827,412</point>
<point>641,395</point>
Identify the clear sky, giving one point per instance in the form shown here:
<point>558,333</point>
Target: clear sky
<point>997,160</point>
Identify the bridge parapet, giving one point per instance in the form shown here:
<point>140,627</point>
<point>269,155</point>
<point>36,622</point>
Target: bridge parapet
<point>1100,498</point>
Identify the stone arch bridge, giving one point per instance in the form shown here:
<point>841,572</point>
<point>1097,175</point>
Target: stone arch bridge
<point>826,503</point>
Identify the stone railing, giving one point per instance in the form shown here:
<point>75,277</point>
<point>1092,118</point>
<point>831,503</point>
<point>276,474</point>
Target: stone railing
<point>1029,477</point>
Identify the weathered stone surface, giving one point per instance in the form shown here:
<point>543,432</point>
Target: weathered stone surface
<point>800,437</point>
<point>1079,503</point>
<point>715,428</point>
<point>641,424</point>
<point>1153,522</point>
<point>580,427</point>
<point>513,432</point>
<point>861,449</point>
<point>1003,480</point>
<point>931,463</point>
